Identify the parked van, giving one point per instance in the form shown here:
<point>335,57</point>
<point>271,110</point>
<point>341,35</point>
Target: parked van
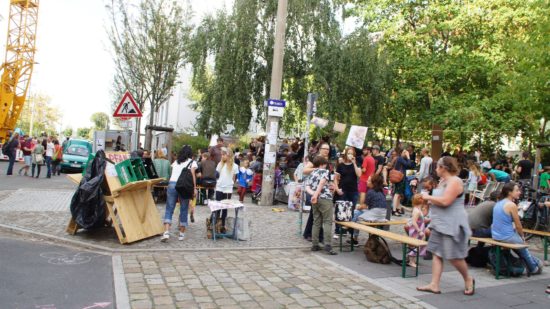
<point>75,155</point>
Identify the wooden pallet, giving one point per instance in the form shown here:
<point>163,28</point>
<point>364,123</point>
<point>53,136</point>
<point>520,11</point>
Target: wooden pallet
<point>129,208</point>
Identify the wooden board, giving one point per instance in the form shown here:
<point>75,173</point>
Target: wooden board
<point>498,243</point>
<point>535,232</point>
<point>402,222</point>
<point>76,178</point>
<point>393,236</point>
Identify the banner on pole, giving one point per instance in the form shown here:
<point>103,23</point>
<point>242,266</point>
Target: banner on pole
<point>320,122</point>
<point>356,136</point>
<point>339,127</point>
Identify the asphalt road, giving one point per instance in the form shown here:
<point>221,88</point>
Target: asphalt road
<point>15,181</point>
<point>45,276</point>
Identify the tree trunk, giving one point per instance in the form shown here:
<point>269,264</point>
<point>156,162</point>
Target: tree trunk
<point>149,133</point>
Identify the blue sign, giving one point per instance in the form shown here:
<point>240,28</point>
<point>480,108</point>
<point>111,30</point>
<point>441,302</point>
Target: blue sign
<point>276,103</point>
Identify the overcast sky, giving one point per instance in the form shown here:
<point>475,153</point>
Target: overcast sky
<point>74,66</point>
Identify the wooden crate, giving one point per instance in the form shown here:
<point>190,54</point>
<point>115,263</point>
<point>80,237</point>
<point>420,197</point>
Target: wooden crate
<point>130,208</point>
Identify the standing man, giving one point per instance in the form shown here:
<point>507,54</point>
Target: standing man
<point>216,151</point>
<point>368,169</point>
<point>26,147</point>
<point>425,165</point>
<point>379,160</point>
<point>412,154</point>
<point>525,167</point>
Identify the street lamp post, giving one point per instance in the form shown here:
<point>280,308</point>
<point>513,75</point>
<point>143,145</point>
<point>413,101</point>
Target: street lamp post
<point>275,93</point>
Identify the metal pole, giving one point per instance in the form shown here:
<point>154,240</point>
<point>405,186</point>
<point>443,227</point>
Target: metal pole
<point>310,102</point>
<point>275,93</point>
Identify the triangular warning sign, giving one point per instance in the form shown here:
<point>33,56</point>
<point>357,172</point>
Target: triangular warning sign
<point>127,107</point>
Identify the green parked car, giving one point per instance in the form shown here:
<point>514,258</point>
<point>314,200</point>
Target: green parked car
<point>75,155</point>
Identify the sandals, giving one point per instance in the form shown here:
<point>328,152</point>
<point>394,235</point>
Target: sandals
<point>472,290</point>
<point>428,290</point>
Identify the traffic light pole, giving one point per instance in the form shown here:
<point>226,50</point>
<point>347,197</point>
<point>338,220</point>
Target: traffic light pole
<point>272,125</point>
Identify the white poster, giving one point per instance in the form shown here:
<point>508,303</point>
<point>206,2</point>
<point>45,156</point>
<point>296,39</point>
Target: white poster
<point>339,127</point>
<point>356,137</point>
<point>320,122</point>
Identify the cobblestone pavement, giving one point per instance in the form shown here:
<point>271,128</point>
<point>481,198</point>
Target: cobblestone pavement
<point>249,279</point>
<point>269,229</point>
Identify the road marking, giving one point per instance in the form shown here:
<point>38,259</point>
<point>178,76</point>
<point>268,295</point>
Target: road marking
<point>56,258</point>
<point>121,290</point>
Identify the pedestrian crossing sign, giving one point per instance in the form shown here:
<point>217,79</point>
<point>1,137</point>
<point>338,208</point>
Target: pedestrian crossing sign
<point>127,107</point>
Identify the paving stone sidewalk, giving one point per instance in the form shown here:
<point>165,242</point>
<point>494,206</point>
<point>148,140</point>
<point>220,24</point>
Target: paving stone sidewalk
<point>249,279</point>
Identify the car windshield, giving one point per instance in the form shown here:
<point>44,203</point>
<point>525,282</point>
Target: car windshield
<point>77,150</point>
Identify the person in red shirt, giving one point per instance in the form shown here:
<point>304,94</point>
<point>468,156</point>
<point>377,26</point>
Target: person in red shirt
<point>368,169</point>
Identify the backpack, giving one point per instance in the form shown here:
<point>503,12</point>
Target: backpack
<point>509,264</point>
<point>184,185</point>
<point>343,210</point>
<point>377,250</point>
<point>478,256</point>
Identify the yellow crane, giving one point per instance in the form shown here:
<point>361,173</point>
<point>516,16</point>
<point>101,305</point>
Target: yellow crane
<point>18,64</point>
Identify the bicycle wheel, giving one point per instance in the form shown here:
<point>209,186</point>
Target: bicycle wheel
<point>530,220</point>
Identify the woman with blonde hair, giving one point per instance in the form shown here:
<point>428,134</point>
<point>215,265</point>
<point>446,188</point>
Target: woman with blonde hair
<point>162,165</point>
<point>473,179</point>
<point>228,170</point>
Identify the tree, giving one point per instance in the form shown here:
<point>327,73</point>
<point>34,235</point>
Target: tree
<point>100,120</point>
<point>83,133</point>
<point>150,48</point>
<point>44,115</point>
<point>68,132</point>
<point>317,59</point>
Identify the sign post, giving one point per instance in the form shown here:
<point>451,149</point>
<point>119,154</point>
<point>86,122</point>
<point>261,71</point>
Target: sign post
<point>126,109</point>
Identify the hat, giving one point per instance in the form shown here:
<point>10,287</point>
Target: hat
<point>376,147</point>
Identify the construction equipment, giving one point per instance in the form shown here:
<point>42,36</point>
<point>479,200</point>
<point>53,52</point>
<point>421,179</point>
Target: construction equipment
<point>19,62</point>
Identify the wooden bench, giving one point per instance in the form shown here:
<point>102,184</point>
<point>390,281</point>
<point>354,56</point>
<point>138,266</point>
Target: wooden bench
<point>499,245</point>
<point>544,235</point>
<point>404,240</point>
<point>396,222</point>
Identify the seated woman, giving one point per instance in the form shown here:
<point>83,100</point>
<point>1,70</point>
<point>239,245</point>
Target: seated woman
<point>505,215</point>
<point>375,209</point>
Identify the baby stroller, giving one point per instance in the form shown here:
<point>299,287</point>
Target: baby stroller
<point>257,186</point>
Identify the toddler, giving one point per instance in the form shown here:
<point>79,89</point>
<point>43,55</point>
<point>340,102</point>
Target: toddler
<point>244,178</point>
<point>416,227</point>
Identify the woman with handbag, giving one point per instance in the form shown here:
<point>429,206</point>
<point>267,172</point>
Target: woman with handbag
<point>37,158</point>
<point>397,177</point>
<point>348,174</point>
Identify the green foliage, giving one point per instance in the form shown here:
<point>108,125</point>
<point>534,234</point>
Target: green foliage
<point>150,44</point>
<point>196,142</point>
<point>68,132</point>
<point>83,133</point>
<point>46,116</point>
<point>100,120</point>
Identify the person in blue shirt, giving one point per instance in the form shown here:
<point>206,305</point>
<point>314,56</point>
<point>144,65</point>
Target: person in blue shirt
<point>498,175</point>
<point>507,227</point>
<point>244,178</point>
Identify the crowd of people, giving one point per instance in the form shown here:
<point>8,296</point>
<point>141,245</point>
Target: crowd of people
<point>37,152</point>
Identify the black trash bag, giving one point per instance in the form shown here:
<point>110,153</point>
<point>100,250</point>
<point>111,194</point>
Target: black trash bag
<point>88,203</point>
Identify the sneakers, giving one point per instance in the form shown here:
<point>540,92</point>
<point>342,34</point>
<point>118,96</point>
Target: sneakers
<point>165,236</point>
<point>181,237</point>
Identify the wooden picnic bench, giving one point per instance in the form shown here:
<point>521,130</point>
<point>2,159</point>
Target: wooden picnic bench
<point>499,245</point>
<point>403,239</point>
<point>544,235</point>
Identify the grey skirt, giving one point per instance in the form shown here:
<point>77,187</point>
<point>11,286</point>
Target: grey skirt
<point>447,247</point>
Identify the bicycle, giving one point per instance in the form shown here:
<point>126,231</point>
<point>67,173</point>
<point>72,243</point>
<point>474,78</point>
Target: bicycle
<point>535,215</point>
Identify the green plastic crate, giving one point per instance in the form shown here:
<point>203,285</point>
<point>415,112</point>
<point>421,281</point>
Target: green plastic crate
<point>130,170</point>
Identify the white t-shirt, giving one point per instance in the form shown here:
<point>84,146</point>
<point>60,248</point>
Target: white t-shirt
<point>49,150</point>
<point>225,181</point>
<point>425,165</point>
<point>177,168</point>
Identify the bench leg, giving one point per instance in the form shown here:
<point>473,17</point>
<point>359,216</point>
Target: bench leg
<point>497,270</point>
<point>404,261</point>
<point>417,260</point>
<point>340,238</point>
<point>545,247</point>
<point>214,217</point>
<point>351,240</point>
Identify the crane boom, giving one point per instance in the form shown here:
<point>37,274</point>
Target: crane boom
<point>19,62</point>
